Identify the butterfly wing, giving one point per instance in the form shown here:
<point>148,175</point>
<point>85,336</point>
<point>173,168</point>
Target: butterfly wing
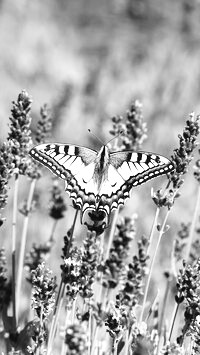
<point>77,166</point>
<point>126,170</point>
<point>74,164</point>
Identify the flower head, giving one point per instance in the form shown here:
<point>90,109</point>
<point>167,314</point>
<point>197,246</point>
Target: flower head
<point>37,255</point>
<point>44,125</point>
<point>43,294</point>
<point>116,321</point>
<point>70,268</point>
<point>184,154</point>
<point>4,297</point>
<point>6,171</point>
<point>188,290</point>
<point>131,291</point>
<point>57,206</point>
<point>114,265</point>
<point>89,263</point>
<point>133,127</point>
<point>43,132</point>
<point>75,339</point>
<point>19,136</point>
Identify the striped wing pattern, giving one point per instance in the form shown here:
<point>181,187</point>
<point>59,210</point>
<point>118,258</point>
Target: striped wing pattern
<point>129,169</point>
<point>77,166</point>
<point>74,164</point>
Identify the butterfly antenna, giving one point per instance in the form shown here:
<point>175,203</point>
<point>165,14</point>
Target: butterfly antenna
<point>115,137</point>
<point>89,130</point>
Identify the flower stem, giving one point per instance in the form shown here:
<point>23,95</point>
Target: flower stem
<point>193,224</point>
<point>126,350</point>
<point>23,244</point>
<point>89,331</point>
<point>14,222</point>
<point>173,320</point>
<point>60,297</point>
<point>152,265</point>
<point>115,347</point>
<point>155,222</point>
<point>112,231</point>
<point>164,307</point>
<point>51,239</point>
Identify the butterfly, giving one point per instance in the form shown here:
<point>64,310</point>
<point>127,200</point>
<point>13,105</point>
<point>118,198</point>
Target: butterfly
<point>99,181</point>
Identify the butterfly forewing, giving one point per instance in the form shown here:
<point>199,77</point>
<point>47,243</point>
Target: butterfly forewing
<point>129,169</point>
<point>75,165</point>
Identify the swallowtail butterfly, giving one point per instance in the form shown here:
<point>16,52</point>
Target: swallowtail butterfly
<point>99,181</point>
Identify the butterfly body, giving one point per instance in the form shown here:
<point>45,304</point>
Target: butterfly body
<point>99,181</point>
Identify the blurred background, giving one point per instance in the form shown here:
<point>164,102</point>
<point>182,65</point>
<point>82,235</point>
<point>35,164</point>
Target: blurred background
<point>89,59</point>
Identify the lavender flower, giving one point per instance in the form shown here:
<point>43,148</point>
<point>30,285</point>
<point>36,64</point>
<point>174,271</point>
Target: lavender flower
<point>131,292</point>
<point>43,294</point>
<point>37,255</point>
<point>172,349</point>
<point>70,267</point>
<point>194,332</point>
<point>19,136</point>
<point>3,278</point>
<point>44,125</point>
<point>188,286</point>
<point>184,154</point>
<point>75,338</point>
<point>89,263</point>
<point>134,128</point>
<point>124,235</point>
<point>116,321</point>
<point>6,171</point>
<point>197,169</point>
<point>43,132</point>
<point>57,205</point>
<point>195,251</point>
<point>181,159</point>
<point>180,241</point>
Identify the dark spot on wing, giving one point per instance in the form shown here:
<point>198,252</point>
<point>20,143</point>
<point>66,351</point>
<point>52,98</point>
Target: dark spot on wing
<point>157,159</point>
<point>114,184</point>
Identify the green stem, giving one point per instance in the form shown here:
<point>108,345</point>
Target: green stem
<point>94,339</point>
<point>173,320</point>
<point>155,222</point>
<point>51,239</point>
<point>59,302</point>
<point>126,350</point>
<point>14,223</point>
<point>160,327</point>
<point>89,331</point>
<point>193,224</point>
<point>112,231</point>
<point>115,347</point>
<point>164,305</point>
<point>23,244</point>
<point>152,265</point>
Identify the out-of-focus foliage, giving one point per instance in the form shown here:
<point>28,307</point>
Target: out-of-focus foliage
<point>90,58</point>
